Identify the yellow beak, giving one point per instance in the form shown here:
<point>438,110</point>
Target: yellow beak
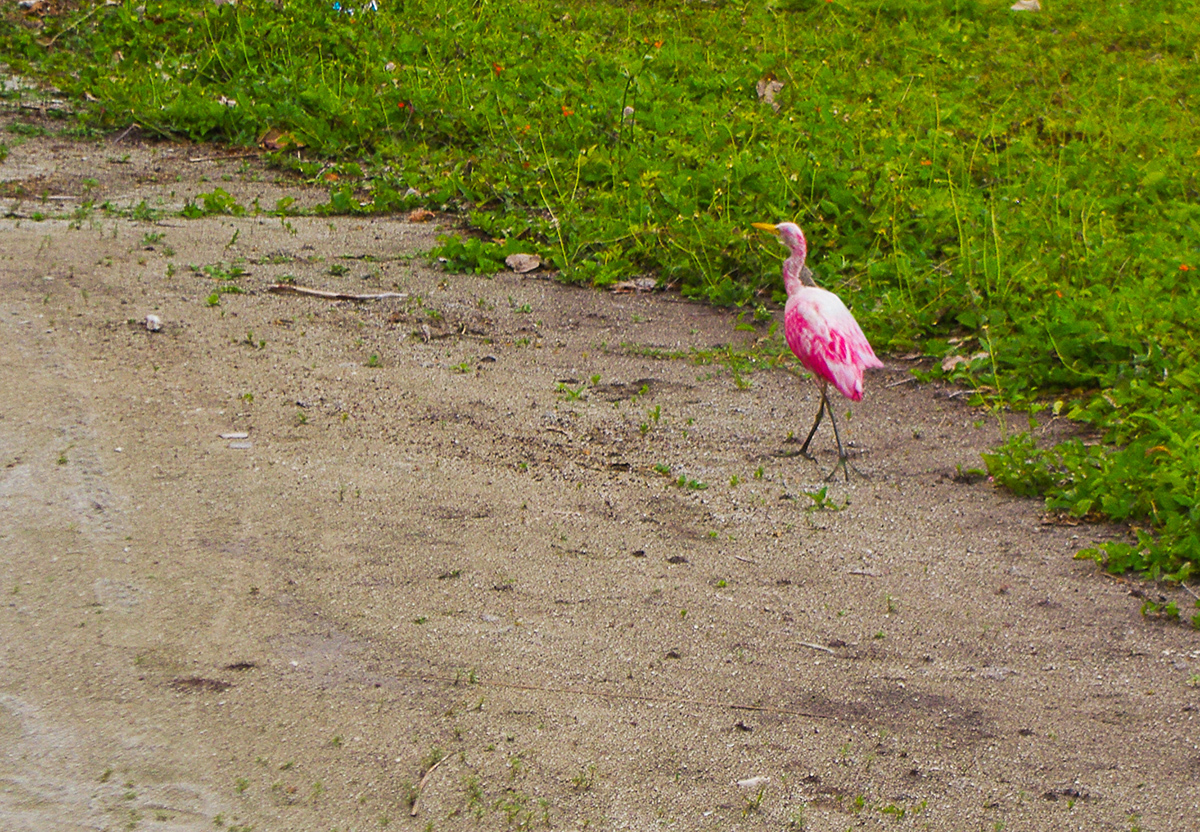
<point>766,226</point>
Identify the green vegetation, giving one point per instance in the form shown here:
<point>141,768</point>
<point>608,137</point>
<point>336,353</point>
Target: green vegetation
<point>821,502</point>
<point>972,180</point>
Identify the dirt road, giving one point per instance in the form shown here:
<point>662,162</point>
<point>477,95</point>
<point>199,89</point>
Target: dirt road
<point>534,552</point>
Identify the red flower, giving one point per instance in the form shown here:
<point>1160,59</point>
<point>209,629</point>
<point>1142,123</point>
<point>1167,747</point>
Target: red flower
<point>566,111</point>
<point>1184,267</point>
<point>496,68</point>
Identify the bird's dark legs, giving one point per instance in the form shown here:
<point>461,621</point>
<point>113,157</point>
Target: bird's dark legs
<point>820,413</point>
<point>843,456</point>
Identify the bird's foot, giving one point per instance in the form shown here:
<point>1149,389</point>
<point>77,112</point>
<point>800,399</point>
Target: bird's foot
<point>846,468</point>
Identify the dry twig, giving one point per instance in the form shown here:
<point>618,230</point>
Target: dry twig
<point>820,647</point>
<point>424,780</point>
<point>222,158</point>
<point>289,289</point>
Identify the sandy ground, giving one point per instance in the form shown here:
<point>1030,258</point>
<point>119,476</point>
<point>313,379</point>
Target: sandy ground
<point>453,554</point>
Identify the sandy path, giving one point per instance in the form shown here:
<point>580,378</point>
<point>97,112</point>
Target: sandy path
<point>470,551</point>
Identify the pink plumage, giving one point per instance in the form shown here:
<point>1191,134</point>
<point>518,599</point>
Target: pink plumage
<point>827,340</point>
<point>821,332</point>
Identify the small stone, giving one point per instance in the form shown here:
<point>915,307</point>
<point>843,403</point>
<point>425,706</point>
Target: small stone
<point>153,323</point>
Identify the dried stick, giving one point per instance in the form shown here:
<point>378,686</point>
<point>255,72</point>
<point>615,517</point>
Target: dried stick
<point>222,158</point>
<point>812,646</point>
<point>424,780</point>
<point>289,289</point>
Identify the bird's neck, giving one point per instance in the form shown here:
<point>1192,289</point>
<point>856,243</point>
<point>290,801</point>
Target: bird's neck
<point>795,275</point>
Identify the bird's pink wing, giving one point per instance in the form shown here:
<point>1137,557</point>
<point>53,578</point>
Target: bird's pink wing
<point>828,341</point>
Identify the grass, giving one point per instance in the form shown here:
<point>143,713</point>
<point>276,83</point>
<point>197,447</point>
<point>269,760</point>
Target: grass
<point>972,180</point>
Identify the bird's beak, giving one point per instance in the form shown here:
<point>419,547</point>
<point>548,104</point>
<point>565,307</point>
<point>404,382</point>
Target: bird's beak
<point>766,226</point>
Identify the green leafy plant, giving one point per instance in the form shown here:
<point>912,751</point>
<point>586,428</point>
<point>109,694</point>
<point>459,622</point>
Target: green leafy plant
<point>218,201</point>
<point>569,394</point>
<point>820,501</point>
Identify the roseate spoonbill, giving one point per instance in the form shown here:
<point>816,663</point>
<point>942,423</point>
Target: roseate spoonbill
<point>822,333</point>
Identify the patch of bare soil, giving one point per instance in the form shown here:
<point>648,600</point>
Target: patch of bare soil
<point>294,563</point>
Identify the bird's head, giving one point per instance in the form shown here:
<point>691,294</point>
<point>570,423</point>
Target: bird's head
<point>789,234</point>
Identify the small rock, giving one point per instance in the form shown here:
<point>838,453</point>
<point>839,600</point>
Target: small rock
<point>235,435</point>
<point>153,323</point>
<point>754,782</point>
<point>1026,6</point>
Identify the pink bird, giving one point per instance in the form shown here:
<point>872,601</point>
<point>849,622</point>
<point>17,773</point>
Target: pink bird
<point>822,333</point>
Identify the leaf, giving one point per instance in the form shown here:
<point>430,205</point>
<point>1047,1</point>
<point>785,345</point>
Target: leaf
<point>952,361</point>
<point>522,263</point>
<point>637,284</point>
<point>278,139</point>
<point>768,87</point>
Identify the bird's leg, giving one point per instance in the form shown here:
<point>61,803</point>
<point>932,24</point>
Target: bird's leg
<point>843,456</point>
<point>820,412</point>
